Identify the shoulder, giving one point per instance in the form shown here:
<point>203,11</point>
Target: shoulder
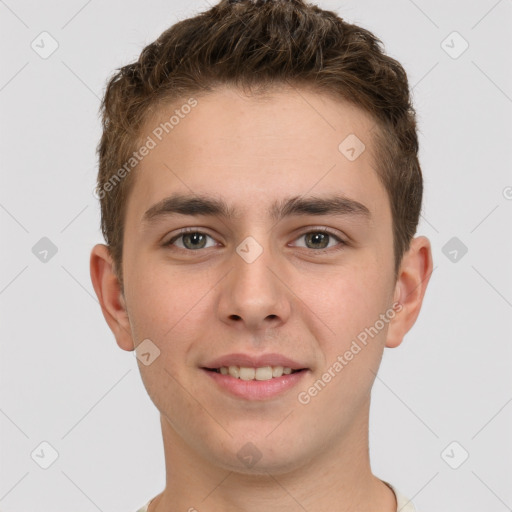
<point>404,504</point>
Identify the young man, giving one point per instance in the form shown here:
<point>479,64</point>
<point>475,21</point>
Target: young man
<point>260,191</point>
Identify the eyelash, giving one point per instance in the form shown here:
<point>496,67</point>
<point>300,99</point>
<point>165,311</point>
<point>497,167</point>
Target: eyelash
<point>186,231</point>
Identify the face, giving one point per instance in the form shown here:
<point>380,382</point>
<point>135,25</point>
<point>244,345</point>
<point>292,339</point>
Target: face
<point>276,242</point>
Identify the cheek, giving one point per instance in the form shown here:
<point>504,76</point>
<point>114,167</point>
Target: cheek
<point>168,306</point>
<point>352,347</point>
<point>352,298</point>
<point>151,299</point>
<point>352,305</point>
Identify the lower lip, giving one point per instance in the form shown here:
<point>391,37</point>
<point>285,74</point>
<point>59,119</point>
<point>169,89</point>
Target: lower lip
<point>256,389</point>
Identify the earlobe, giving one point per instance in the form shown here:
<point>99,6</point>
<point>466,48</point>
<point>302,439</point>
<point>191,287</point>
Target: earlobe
<point>108,290</point>
<point>413,277</point>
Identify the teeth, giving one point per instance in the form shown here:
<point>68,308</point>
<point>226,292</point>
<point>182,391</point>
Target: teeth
<point>234,371</point>
<point>247,373</point>
<point>277,371</point>
<point>262,373</point>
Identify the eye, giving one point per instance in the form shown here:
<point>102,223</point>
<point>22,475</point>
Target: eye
<point>321,240</point>
<point>191,240</point>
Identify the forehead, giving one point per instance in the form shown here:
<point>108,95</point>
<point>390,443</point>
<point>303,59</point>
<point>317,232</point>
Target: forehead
<point>286,142</point>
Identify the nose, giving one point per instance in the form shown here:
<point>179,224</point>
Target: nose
<point>254,295</point>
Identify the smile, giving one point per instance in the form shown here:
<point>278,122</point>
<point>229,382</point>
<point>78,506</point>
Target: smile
<point>260,383</point>
<point>247,373</point>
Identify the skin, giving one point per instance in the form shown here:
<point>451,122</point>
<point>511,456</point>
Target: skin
<point>197,304</point>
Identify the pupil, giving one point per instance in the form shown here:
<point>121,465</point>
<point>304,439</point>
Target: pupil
<point>196,237</point>
<point>322,237</point>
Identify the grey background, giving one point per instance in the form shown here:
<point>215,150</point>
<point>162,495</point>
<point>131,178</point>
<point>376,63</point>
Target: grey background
<point>63,379</point>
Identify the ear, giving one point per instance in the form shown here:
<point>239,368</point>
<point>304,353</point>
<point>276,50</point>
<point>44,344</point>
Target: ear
<point>413,277</point>
<point>108,289</point>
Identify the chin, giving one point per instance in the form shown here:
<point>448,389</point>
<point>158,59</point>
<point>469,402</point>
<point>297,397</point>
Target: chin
<point>261,457</point>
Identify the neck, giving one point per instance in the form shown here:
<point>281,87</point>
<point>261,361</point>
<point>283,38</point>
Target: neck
<point>335,478</point>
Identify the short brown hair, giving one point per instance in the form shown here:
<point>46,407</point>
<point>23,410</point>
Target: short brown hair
<point>255,45</point>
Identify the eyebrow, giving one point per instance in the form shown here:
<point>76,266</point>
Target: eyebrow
<point>200,205</point>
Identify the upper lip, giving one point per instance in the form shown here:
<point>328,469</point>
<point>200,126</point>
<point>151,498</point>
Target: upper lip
<point>254,361</point>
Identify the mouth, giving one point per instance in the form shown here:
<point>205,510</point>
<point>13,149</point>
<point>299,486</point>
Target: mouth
<point>248,373</point>
<point>262,383</point>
